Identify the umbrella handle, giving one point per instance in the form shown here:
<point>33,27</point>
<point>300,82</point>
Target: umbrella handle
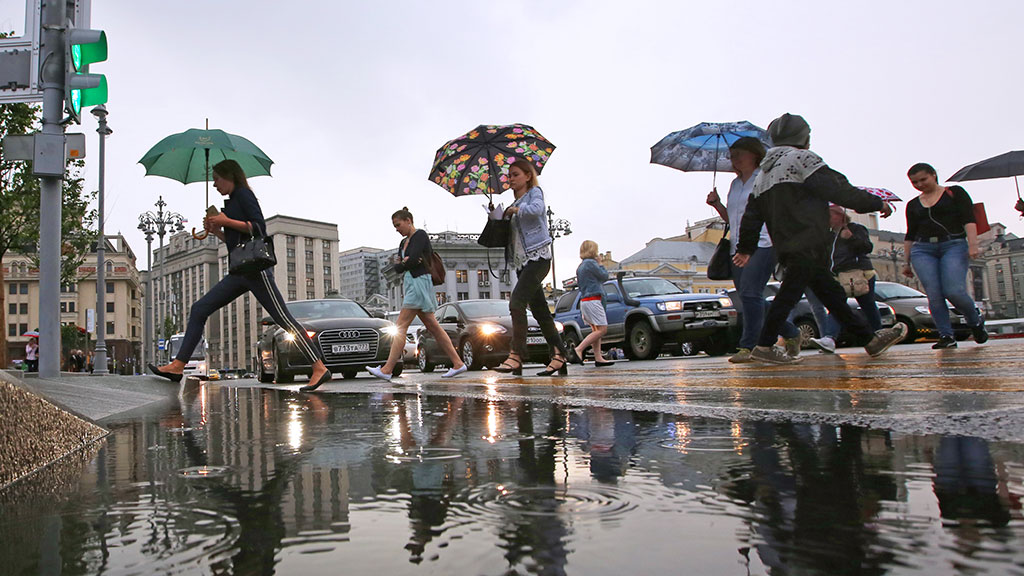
<point>200,236</point>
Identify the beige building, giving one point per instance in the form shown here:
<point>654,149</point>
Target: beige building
<point>123,303</point>
<point>182,273</point>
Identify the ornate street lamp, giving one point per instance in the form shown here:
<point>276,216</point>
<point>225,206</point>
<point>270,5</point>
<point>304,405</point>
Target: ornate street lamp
<point>894,253</point>
<point>160,224</point>
<point>557,227</point>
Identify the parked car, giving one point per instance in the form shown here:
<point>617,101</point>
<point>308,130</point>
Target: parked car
<point>411,337</point>
<point>481,330</point>
<point>645,313</point>
<point>803,317</point>
<point>911,307</point>
<point>347,335</point>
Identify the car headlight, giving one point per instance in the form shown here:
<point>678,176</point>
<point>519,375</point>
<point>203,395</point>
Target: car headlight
<point>725,302</point>
<point>289,337</point>
<point>673,306</point>
<point>491,329</point>
<point>389,330</point>
<point>922,310</point>
<point>559,326</point>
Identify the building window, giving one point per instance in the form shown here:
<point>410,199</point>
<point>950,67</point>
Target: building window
<point>292,295</point>
<point>327,286</point>
<point>482,275</point>
<point>63,307</point>
<point>309,283</point>
<point>463,295</point>
<point>327,271</point>
<point>23,288</point>
<point>110,287</point>
<point>71,306</point>
<point>133,293</point>
<point>291,267</point>
<point>326,245</point>
<point>133,332</point>
<point>12,309</point>
<point>290,240</point>
<point>110,267</point>
<point>506,295</point>
<point>310,295</point>
<point>12,289</point>
<point>110,307</point>
<point>485,295</point>
<point>22,328</point>
<point>327,257</point>
<point>291,252</point>
<point>462,276</point>
<point>110,327</point>
<point>308,242</point>
<point>12,329</point>
<point>309,268</point>
<point>291,281</point>
<point>309,255</point>
<point>505,276</point>
<point>23,308</point>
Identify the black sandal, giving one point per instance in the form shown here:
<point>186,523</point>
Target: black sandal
<point>562,369</point>
<point>575,358</point>
<point>314,385</point>
<point>507,368</point>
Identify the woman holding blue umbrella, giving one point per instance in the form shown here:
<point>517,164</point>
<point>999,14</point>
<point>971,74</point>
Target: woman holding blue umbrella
<point>241,218</point>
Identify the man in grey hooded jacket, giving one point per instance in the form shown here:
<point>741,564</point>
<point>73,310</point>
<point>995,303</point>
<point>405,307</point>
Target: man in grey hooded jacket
<point>791,197</point>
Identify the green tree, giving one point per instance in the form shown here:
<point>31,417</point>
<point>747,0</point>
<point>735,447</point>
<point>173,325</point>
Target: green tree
<point>19,209</point>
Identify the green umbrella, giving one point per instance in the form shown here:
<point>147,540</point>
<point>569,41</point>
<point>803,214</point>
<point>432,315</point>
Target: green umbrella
<point>187,157</point>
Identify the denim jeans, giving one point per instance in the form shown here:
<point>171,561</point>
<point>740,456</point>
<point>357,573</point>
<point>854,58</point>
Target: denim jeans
<point>750,282</point>
<point>868,306</point>
<point>942,269</point>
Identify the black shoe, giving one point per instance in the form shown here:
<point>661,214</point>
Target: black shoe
<point>314,385</point>
<point>562,367</point>
<point>512,365</point>
<point>944,342</point>
<point>979,332</point>
<point>169,375</point>
<point>574,358</point>
<point>596,363</point>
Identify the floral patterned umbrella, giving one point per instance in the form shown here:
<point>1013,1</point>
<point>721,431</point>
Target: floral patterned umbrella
<point>883,193</point>
<point>477,162</point>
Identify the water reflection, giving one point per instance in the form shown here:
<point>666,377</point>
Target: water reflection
<point>260,481</point>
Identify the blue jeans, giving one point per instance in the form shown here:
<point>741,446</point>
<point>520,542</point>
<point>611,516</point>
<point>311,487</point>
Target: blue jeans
<point>750,282</point>
<point>868,307</point>
<point>942,269</point>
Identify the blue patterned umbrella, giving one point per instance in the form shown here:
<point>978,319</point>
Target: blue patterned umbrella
<point>704,147</point>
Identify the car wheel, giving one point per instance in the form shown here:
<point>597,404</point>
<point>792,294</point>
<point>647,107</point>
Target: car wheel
<point>398,369</point>
<point>349,373</point>
<point>688,349</point>
<point>262,374</point>
<point>468,356</point>
<point>644,342</point>
<point>282,376</point>
<point>717,345</point>
<point>911,329</point>
<point>808,329</point>
<point>425,364</point>
<point>570,339</point>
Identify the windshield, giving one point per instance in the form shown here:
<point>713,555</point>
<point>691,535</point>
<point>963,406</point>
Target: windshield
<point>887,290</point>
<point>319,309</point>
<point>637,287</point>
<point>485,309</point>
<point>175,344</point>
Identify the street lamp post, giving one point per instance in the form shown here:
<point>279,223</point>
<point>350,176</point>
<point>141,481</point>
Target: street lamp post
<point>894,254</point>
<point>147,325</point>
<point>100,356</point>
<point>557,227</point>
<point>160,224</point>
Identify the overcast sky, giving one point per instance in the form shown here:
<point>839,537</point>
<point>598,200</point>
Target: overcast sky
<point>352,99</point>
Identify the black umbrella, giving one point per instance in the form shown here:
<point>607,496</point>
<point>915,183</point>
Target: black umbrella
<point>1002,166</point>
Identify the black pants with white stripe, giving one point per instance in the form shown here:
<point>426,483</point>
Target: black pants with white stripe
<point>232,286</point>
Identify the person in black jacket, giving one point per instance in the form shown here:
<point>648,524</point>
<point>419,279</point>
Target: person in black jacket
<point>237,222</point>
<point>791,196</point>
<point>414,253</point>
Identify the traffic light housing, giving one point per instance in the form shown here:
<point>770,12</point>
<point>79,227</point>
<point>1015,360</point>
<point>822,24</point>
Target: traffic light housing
<point>82,89</point>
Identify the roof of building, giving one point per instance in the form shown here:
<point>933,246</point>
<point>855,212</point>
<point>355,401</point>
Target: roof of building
<point>672,251</point>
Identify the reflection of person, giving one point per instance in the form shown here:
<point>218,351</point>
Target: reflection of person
<point>240,218</point>
<point>418,300</point>
<point>590,275</point>
<point>32,355</point>
<point>531,256</point>
<point>941,236</point>
<point>746,155</point>
<point>791,195</point>
<point>966,484</point>
<point>851,249</point>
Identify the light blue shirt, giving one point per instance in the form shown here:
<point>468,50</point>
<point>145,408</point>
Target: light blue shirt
<point>736,204</point>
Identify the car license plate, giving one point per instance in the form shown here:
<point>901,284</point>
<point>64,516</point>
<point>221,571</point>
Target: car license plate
<point>536,340</point>
<point>706,314</point>
<point>350,348</point>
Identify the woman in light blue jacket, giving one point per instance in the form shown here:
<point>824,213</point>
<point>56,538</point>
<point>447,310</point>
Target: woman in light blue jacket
<point>530,245</point>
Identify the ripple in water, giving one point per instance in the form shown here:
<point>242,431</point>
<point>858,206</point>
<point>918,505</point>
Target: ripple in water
<point>708,444</point>
<point>203,472</point>
<point>425,455</point>
<point>498,502</point>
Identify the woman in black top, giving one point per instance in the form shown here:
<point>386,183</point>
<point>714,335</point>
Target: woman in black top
<point>414,254</point>
<point>941,236</point>
<point>241,215</point>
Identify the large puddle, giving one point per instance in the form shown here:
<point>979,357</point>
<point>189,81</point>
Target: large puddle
<point>255,481</point>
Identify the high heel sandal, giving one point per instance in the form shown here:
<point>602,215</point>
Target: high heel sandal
<point>507,367</point>
<point>575,358</point>
<point>562,369</point>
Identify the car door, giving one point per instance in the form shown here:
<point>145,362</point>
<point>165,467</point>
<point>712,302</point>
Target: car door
<point>451,324</point>
<point>427,340</point>
<point>615,310</point>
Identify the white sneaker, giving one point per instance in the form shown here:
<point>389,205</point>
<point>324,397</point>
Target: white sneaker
<point>453,372</point>
<point>376,371</point>
<point>825,344</point>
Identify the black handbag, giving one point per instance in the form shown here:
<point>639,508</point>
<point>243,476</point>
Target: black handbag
<point>720,265</point>
<point>495,234</point>
<point>253,255</point>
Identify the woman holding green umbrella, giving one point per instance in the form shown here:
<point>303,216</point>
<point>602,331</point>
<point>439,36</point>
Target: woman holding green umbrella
<point>240,218</point>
